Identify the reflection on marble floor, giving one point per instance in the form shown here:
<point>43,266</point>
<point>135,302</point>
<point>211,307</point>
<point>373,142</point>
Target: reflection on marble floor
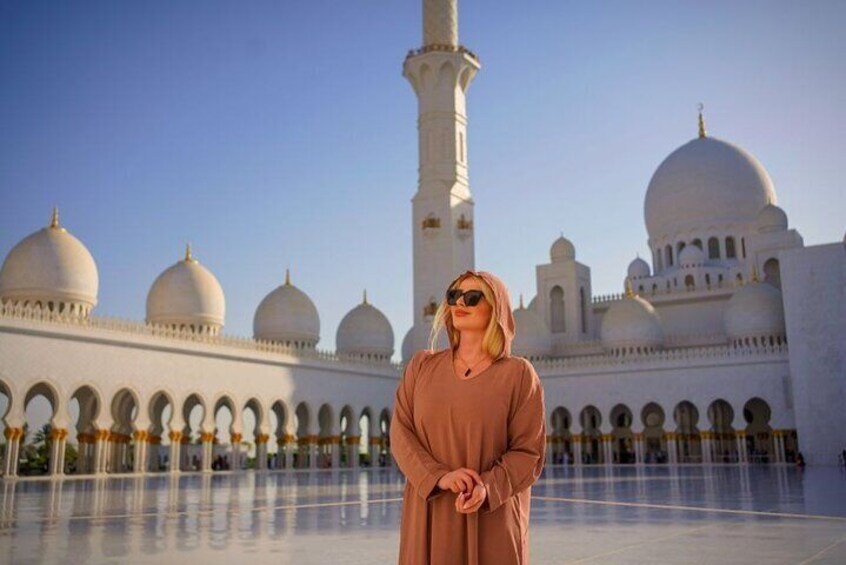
<point>599,515</point>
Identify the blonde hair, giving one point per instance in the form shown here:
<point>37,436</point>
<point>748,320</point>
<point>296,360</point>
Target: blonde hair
<point>492,343</point>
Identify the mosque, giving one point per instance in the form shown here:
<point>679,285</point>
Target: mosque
<point>727,347</point>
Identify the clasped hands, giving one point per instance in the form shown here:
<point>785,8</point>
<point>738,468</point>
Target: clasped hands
<point>468,485</point>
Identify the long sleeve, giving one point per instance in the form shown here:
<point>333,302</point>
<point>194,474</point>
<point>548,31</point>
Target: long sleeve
<point>520,466</point>
<point>413,459</point>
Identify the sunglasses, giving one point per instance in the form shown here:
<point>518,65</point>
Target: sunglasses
<point>471,297</point>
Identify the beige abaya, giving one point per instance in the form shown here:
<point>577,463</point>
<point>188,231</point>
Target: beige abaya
<point>492,422</point>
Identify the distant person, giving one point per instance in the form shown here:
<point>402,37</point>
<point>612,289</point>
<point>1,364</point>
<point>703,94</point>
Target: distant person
<point>468,433</point>
<point>800,460</point>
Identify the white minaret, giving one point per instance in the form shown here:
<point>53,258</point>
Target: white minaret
<point>442,210</point>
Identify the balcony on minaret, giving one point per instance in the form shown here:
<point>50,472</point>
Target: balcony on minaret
<point>430,309</point>
<point>442,48</point>
<point>464,226</point>
<point>431,225</point>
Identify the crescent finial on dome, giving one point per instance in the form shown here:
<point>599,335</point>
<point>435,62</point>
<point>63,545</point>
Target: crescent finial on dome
<point>521,301</point>
<point>189,258</point>
<point>702,132</point>
<point>54,221</point>
<point>287,277</point>
<point>365,297</point>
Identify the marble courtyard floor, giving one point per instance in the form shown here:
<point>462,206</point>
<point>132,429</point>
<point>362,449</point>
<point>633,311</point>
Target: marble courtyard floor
<point>653,514</point>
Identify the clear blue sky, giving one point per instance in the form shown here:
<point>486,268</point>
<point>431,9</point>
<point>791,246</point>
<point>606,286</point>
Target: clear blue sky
<point>276,134</point>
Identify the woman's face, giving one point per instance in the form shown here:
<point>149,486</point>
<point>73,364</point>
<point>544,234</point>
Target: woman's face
<point>473,318</point>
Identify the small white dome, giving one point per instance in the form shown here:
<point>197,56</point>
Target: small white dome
<point>755,310</point>
<point>417,338</point>
<point>51,265</point>
<point>187,294</point>
<point>561,250</point>
<point>638,269</point>
<point>408,347</point>
<point>771,218</point>
<point>631,323</point>
<point>703,183</point>
<point>365,331</point>
<point>531,336</point>
<point>287,314</point>
<point>691,256</point>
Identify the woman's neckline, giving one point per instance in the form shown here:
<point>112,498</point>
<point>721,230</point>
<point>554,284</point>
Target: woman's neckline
<point>468,378</point>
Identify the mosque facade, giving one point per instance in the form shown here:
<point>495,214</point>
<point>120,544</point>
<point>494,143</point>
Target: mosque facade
<point>728,346</point>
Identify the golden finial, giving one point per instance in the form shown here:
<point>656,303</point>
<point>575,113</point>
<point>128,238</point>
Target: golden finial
<point>702,132</point>
<point>754,273</point>
<point>54,221</point>
<point>629,290</point>
<point>365,296</point>
<point>287,277</point>
<point>521,301</point>
<point>189,258</point>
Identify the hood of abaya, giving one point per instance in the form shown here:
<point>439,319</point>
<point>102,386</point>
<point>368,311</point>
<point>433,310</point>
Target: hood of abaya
<point>501,310</point>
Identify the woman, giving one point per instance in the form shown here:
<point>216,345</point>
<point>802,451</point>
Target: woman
<point>468,433</point>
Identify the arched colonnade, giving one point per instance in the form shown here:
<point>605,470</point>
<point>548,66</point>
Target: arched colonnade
<point>717,433</point>
<point>87,432</point>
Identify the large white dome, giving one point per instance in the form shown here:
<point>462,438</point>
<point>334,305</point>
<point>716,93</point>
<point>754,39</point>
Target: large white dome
<point>531,336</point>
<point>365,331</point>
<point>706,183</point>
<point>755,311</point>
<point>287,315</point>
<point>187,295</point>
<point>631,324</point>
<point>51,266</point>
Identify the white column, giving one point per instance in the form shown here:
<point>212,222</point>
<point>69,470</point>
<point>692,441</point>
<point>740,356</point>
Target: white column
<point>139,463</point>
<point>609,448</point>
<point>577,449</point>
<point>780,455</point>
<point>672,447</point>
<point>235,451</point>
<point>550,448</point>
<point>289,445</point>
<point>707,447</point>
<point>57,451</point>
<point>375,448</point>
<point>639,447</point>
<point>14,437</point>
<point>336,452</point>
<point>742,455</point>
<point>352,450</point>
<point>174,452</point>
<point>101,451</point>
<point>313,452</point>
<point>261,452</point>
<point>207,440</point>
